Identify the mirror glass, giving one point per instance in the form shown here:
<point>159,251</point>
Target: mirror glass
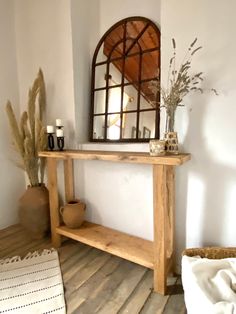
<point>126,62</point>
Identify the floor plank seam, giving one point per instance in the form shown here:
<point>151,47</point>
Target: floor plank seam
<point>130,293</point>
<point>145,302</point>
<point>75,311</point>
<point>171,292</point>
<point>133,292</point>
<point>91,276</point>
<point>67,260</point>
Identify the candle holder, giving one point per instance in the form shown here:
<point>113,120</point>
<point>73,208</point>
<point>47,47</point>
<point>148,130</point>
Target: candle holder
<point>50,141</point>
<point>60,137</point>
<point>60,142</point>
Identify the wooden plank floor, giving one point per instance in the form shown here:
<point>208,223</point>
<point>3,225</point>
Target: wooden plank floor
<point>97,282</point>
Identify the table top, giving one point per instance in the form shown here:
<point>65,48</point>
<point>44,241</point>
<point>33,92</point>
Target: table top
<point>129,157</point>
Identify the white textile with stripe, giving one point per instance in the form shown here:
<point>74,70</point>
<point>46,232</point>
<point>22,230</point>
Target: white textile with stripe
<point>32,285</point>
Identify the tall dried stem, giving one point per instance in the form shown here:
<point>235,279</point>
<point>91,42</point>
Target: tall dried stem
<point>29,136</point>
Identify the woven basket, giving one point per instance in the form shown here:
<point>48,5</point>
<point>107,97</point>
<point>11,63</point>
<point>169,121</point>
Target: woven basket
<point>211,252</point>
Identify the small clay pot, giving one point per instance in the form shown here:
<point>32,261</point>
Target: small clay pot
<point>73,213</point>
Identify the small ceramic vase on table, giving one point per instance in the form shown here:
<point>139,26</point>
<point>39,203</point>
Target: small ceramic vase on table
<point>157,147</point>
<point>172,145</point>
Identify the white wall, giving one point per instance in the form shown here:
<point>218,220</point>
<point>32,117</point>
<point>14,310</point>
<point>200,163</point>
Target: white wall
<point>111,11</point>
<point>206,186</point>
<point>43,39</point>
<point>11,179</point>
<point>85,27</point>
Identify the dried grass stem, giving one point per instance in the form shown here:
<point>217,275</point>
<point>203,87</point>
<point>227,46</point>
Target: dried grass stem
<point>29,136</point>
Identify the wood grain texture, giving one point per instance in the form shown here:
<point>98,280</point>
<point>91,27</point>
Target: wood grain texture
<point>96,277</point>
<point>53,200</point>
<point>86,268</point>
<point>97,282</point>
<point>70,248</point>
<point>99,297</point>
<point>8,231</point>
<point>160,213</point>
<point>132,248</point>
<point>128,157</point>
<point>176,303</point>
<point>19,243</point>
<point>170,182</point>
<point>156,302</point>
<point>122,292</point>
<point>72,266</point>
<point>9,244</point>
<point>69,179</point>
<point>135,303</point>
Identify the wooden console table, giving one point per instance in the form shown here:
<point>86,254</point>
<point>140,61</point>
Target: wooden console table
<point>157,254</point>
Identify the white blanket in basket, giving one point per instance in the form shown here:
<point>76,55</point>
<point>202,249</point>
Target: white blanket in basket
<point>209,285</point>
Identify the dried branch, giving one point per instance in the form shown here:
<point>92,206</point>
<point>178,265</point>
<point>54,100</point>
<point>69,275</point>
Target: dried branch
<point>180,83</point>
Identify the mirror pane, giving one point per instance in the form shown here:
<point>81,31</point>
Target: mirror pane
<point>131,46</point>
<point>147,123</point>
<point>113,43</point>
<point>114,99</point>
<point>150,65</point>
<point>100,76</point>
<point>99,101</point>
<point>101,56</point>
<point>133,29</point>
<point>98,127</point>
<point>132,66</point>
<point>113,126</point>
<point>148,98</point>
<point>149,39</point>
<point>129,125</point>
<point>115,75</point>
<point>117,52</point>
<point>130,98</point>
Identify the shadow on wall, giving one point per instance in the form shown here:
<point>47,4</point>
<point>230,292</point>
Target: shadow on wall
<point>204,210</point>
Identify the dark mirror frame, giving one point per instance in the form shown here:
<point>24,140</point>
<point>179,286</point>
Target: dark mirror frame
<point>156,109</point>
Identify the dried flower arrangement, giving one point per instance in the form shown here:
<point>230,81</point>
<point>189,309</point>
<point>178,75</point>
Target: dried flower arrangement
<point>179,84</point>
<point>29,135</point>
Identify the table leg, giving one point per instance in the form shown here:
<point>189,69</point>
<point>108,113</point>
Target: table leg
<point>170,181</point>
<point>163,211</point>
<point>53,200</point>
<point>69,179</point>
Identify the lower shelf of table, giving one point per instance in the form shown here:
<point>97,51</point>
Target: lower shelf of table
<point>132,248</point>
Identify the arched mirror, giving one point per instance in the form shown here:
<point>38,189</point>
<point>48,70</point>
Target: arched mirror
<point>126,62</point>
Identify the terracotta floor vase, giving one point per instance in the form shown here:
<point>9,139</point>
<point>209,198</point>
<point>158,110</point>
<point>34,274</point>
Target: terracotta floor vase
<point>34,211</point>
